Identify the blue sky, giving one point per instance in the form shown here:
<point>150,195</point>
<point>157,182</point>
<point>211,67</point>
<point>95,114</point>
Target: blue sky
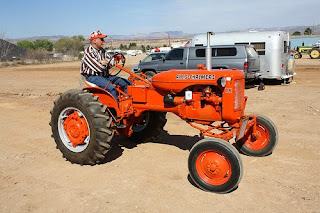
<point>20,19</point>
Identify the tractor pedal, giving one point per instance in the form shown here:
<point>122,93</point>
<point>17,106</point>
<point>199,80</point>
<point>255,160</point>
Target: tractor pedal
<point>119,126</point>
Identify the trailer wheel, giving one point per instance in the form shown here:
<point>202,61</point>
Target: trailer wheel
<point>315,54</point>
<point>81,127</point>
<point>265,140</point>
<point>149,126</point>
<point>215,165</point>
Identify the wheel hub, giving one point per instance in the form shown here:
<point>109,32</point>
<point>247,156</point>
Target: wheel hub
<point>76,129</point>
<point>259,139</point>
<point>213,167</point>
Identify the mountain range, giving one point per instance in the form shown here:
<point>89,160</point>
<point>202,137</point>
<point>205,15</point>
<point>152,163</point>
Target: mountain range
<point>173,34</point>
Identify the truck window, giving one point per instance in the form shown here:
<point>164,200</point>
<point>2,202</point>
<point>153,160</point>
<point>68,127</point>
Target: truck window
<point>251,52</point>
<point>175,54</point>
<point>231,51</point>
<point>260,47</point>
<point>202,52</point>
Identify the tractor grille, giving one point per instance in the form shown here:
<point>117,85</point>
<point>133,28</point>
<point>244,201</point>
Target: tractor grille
<point>238,94</point>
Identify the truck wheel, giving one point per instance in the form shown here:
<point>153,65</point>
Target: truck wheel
<point>215,165</point>
<point>150,125</point>
<point>81,127</point>
<point>264,142</point>
<point>150,74</point>
<point>315,54</point>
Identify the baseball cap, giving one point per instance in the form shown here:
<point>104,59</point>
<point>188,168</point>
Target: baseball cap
<point>96,34</point>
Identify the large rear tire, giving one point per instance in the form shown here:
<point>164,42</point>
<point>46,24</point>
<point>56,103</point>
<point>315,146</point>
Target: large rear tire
<point>315,54</point>
<point>150,126</point>
<point>265,141</point>
<point>215,165</point>
<point>81,127</point>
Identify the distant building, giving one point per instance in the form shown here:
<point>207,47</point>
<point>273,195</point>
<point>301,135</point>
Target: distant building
<point>9,51</point>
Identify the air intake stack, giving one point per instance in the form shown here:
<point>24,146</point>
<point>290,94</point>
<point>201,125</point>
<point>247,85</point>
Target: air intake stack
<point>208,52</point>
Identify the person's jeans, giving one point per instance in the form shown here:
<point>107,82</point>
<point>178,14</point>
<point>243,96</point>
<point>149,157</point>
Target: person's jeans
<point>103,82</point>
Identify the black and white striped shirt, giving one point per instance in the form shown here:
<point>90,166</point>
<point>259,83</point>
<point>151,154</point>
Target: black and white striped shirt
<point>90,63</point>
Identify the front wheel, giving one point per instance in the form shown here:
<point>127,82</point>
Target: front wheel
<point>297,56</point>
<point>261,143</point>
<point>215,165</point>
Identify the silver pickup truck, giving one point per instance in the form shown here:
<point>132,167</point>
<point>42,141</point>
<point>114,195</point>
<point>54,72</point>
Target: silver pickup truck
<point>242,57</point>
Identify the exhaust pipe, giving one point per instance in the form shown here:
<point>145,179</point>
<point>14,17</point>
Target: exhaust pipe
<point>208,52</point>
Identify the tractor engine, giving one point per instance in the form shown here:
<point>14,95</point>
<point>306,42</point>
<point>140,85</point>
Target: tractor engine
<point>203,96</point>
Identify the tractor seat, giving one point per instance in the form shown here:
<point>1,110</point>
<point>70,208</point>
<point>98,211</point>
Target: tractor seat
<point>89,84</point>
<point>84,83</point>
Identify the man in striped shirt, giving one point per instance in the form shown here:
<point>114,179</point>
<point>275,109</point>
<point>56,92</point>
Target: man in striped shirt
<point>94,66</point>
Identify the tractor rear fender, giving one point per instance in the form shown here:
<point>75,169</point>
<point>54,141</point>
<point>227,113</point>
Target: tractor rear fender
<point>104,97</point>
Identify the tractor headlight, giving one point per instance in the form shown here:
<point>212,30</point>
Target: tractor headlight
<point>222,81</point>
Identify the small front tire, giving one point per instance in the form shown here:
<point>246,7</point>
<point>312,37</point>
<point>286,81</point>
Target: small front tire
<point>264,142</point>
<point>215,165</point>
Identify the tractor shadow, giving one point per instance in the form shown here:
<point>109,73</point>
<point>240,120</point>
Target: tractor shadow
<point>119,144</point>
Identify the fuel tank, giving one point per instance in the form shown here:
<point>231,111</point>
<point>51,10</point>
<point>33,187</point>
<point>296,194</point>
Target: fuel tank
<point>175,81</point>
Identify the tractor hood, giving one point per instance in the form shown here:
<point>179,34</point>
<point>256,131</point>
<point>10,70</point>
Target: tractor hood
<point>176,81</point>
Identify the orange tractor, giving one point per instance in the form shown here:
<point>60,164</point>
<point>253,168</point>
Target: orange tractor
<point>84,121</point>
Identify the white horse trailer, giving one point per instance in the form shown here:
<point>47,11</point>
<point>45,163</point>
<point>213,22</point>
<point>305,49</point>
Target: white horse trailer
<point>273,48</point>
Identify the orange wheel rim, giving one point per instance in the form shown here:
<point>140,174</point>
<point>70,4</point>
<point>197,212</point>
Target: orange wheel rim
<point>213,167</point>
<point>260,140</point>
<point>76,129</point>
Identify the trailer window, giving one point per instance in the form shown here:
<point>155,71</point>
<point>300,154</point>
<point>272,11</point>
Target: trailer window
<point>176,54</point>
<point>243,43</point>
<point>202,52</point>
<point>226,51</point>
<point>260,47</point>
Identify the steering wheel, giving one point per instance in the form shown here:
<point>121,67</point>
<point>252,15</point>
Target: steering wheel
<point>118,59</point>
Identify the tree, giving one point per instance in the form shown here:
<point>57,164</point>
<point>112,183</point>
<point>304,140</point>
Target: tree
<point>70,46</point>
<point>79,37</point>
<point>308,31</point>
<point>296,33</point>
<point>5,47</point>
<point>43,44</point>
<point>25,44</point>
<point>133,46</point>
<point>143,48</point>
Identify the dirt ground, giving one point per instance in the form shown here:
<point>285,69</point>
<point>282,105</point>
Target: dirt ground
<point>153,177</point>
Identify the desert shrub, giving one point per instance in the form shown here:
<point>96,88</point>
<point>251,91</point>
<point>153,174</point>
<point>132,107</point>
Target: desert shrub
<point>40,55</point>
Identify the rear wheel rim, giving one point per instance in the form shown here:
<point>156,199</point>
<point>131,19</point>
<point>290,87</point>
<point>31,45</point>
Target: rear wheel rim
<point>261,139</point>
<point>315,53</point>
<point>213,167</point>
<point>73,129</point>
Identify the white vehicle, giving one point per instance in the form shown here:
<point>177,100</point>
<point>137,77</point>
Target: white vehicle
<point>273,48</point>
<point>132,52</point>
